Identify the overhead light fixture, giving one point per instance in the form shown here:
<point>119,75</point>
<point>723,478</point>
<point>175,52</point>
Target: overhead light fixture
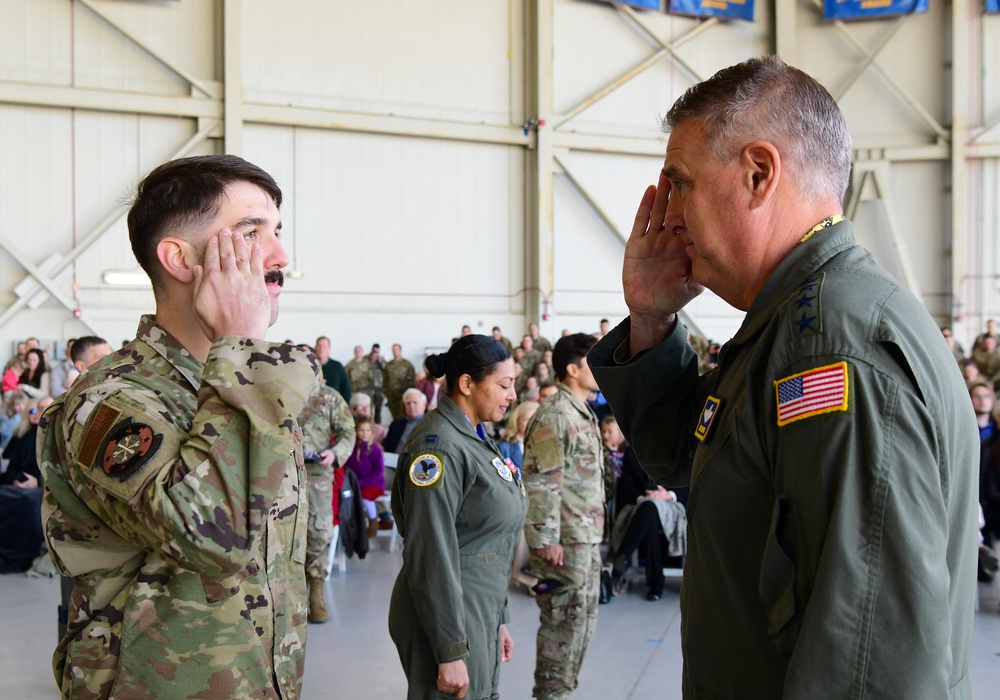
<point>122,278</point>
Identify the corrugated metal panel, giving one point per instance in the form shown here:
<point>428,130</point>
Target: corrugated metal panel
<point>437,59</point>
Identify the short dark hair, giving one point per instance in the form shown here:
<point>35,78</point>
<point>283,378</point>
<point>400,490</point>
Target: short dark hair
<point>83,345</point>
<point>475,355</point>
<point>570,350</point>
<point>183,194</point>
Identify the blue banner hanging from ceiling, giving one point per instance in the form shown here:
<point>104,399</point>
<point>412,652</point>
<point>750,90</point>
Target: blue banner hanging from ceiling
<point>993,5</point>
<point>645,4</point>
<point>728,9</point>
<point>870,9</point>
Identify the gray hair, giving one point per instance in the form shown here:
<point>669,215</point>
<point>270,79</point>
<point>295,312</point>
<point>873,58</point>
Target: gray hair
<point>360,398</point>
<point>765,98</point>
<point>413,391</point>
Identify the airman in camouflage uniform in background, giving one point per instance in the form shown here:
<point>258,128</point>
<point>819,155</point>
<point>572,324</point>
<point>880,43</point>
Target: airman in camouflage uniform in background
<point>378,366</point>
<point>564,477</point>
<point>539,343</point>
<point>361,372</point>
<point>326,419</point>
<point>397,377</point>
<point>174,475</point>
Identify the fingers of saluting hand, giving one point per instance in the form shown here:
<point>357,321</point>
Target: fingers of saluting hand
<point>657,216</point>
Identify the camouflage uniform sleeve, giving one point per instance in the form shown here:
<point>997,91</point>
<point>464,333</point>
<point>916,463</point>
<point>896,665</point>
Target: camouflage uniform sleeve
<point>342,427</point>
<point>200,497</point>
<point>544,462</point>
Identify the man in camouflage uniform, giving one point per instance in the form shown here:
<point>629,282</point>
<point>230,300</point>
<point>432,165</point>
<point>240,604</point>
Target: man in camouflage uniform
<point>564,476</point>
<point>397,377</point>
<point>361,372</point>
<point>378,366</point>
<point>174,476</point>
<point>328,440</point>
<point>538,342</point>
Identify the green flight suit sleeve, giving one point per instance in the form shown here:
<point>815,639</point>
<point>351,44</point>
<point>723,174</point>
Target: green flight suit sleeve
<point>431,556</point>
<point>858,533</point>
<point>202,497</point>
<point>656,398</point>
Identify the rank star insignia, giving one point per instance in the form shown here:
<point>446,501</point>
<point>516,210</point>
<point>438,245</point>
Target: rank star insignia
<point>128,446</point>
<point>708,414</point>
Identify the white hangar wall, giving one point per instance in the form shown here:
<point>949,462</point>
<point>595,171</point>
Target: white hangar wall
<point>415,201</point>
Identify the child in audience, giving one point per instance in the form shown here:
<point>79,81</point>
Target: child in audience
<point>368,464</point>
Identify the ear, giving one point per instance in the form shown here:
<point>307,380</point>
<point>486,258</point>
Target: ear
<point>762,171</point>
<point>178,258</point>
<point>465,384</point>
<point>573,370</point>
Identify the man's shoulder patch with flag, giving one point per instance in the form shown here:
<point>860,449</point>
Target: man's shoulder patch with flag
<point>822,390</point>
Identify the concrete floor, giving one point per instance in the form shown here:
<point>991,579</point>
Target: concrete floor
<point>635,652</point>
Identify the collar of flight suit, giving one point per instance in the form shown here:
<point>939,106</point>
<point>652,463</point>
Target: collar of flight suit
<point>800,264</point>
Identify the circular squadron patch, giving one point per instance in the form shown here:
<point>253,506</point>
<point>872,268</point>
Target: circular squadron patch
<point>128,446</point>
<point>426,470</point>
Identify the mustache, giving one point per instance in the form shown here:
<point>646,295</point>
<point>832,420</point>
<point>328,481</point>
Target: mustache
<point>275,277</point>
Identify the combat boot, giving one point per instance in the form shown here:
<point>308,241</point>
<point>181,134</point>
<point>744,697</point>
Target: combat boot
<point>317,605</point>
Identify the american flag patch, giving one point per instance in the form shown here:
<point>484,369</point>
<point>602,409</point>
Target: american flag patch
<point>820,390</point>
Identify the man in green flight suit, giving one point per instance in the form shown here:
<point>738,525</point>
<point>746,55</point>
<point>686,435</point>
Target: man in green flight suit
<point>832,453</point>
<point>564,477</point>
<point>328,440</point>
<point>174,491</point>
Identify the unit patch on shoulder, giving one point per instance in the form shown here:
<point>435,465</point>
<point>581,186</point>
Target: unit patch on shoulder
<point>426,470</point>
<point>822,390</point>
<point>502,469</point>
<point>708,414</point>
<point>127,447</point>
<point>100,424</point>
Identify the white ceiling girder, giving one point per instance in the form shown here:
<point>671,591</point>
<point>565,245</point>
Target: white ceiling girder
<point>114,217</point>
<point>165,62</point>
<point>870,57</point>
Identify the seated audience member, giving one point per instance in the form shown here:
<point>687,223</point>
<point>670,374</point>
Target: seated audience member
<point>991,332</point>
<point>971,372</point>
<point>546,390</point>
<point>85,352</point>
<point>645,511</point>
<point>956,347</point>
<point>361,405</point>
<point>35,380</point>
<point>542,372</point>
<point>988,562</point>
<point>58,371</point>
<point>983,399</point>
<point>22,462</point>
<point>12,375</point>
<point>21,533</point>
<point>988,360</point>
<point>431,387</point>
<point>502,339</point>
<point>368,464</point>
<point>414,408</point>
<point>10,416</point>
<point>511,442</point>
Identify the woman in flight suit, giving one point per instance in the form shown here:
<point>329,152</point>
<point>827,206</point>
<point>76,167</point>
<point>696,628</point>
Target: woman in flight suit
<point>459,507</point>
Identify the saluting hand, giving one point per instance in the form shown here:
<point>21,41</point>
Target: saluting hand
<point>230,295</point>
<point>656,274</point>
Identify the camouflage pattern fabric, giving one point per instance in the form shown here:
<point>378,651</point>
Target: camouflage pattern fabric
<point>173,497</point>
<point>327,418</point>
<point>541,344</point>
<point>531,359</point>
<point>564,477</point>
<point>568,618</point>
<point>361,374</point>
<point>564,473</point>
<point>397,377</point>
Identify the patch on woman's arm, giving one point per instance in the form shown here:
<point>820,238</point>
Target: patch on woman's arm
<point>814,392</point>
<point>426,470</point>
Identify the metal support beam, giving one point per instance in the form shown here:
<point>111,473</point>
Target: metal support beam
<point>540,226</point>
<point>232,42</point>
<point>165,62</point>
<point>903,93</point>
<point>567,175</point>
<point>961,78</point>
<point>113,218</point>
<point>108,101</point>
